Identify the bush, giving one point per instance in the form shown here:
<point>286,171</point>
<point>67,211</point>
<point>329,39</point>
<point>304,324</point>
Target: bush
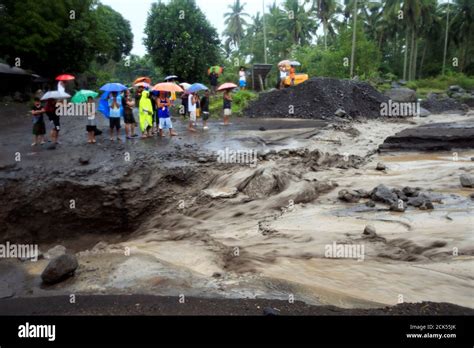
<point>240,102</point>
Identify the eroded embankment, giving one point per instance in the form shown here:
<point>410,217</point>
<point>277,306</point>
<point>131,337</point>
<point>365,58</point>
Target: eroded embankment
<point>60,206</point>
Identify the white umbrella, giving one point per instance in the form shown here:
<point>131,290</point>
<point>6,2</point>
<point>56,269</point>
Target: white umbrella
<point>55,95</point>
<point>295,63</point>
<point>171,77</point>
<point>185,85</point>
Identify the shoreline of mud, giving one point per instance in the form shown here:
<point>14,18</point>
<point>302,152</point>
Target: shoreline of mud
<point>147,305</point>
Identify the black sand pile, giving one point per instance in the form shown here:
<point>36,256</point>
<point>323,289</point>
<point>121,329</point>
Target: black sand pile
<point>319,98</point>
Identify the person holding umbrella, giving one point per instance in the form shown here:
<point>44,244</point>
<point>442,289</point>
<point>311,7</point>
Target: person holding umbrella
<point>163,104</point>
<point>227,88</point>
<point>39,128</point>
<point>115,103</point>
<point>130,123</point>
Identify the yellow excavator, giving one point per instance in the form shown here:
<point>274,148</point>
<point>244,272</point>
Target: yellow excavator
<point>287,66</point>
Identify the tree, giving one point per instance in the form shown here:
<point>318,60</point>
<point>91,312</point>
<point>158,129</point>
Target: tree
<point>52,37</point>
<point>462,28</point>
<point>299,21</point>
<point>115,34</point>
<point>236,24</point>
<point>180,40</point>
<point>327,10</point>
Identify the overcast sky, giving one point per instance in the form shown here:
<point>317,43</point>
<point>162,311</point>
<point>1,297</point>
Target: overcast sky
<point>136,12</point>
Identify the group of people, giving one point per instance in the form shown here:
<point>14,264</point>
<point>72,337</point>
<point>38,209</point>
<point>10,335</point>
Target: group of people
<point>153,112</point>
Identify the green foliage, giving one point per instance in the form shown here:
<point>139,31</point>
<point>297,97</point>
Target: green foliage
<point>52,37</point>
<point>442,83</point>
<point>182,46</point>
<point>316,61</point>
<point>241,100</point>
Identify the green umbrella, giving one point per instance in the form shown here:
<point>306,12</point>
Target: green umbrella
<point>82,95</point>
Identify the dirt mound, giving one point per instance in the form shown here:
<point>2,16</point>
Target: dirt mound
<point>319,98</point>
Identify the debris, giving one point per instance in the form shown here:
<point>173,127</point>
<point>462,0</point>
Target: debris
<point>59,269</point>
<point>467,181</point>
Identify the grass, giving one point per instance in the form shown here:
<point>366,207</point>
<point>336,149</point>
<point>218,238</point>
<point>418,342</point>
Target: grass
<point>241,100</point>
<point>442,83</point>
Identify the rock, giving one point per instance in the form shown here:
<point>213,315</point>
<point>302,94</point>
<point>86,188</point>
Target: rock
<point>456,88</point>
<point>52,253</point>
<point>424,112</point>
<point>5,290</point>
<point>403,94</point>
<point>369,231</point>
<point>411,191</point>
<point>349,196</point>
<point>472,196</point>
<point>400,194</point>
<point>399,206</point>
<point>383,194</point>
<point>381,166</point>
<point>467,181</point>
<point>429,205</point>
<point>59,268</point>
<point>340,113</point>
<point>416,201</point>
<point>84,161</point>
<point>269,311</point>
<point>51,147</point>
<point>370,204</point>
<point>202,160</point>
<point>363,193</point>
<point>262,129</point>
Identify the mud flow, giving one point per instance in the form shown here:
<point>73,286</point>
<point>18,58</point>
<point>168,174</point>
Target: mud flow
<point>182,216</point>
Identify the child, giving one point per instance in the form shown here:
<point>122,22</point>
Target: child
<point>163,104</point>
<point>39,128</point>
<point>91,121</point>
<point>227,106</point>
<point>146,115</point>
<point>115,102</point>
<point>130,123</point>
<point>192,111</point>
<point>51,110</point>
<point>205,109</point>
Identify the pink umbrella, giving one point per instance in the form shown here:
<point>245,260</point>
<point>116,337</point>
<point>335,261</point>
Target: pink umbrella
<point>227,85</point>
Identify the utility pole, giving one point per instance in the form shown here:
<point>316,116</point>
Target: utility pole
<point>446,39</point>
<point>264,32</point>
<point>354,39</point>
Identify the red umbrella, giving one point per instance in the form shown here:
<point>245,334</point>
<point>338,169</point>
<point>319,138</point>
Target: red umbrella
<point>65,77</point>
<point>227,85</point>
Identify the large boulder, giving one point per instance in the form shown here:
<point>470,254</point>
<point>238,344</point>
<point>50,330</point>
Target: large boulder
<point>383,194</point>
<point>59,269</point>
<point>467,180</point>
<point>403,95</point>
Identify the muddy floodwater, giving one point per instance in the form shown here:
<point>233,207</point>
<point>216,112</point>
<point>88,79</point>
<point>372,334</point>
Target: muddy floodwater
<point>171,219</point>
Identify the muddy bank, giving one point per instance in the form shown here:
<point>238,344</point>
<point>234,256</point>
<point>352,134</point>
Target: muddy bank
<point>432,137</point>
<point>158,306</point>
<point>319,98</point>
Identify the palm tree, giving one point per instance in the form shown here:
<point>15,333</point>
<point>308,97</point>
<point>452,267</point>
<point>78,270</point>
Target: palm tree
<point>462,28</point>
<point>326,10</point>
<point>236,23</point>
<point>299,21</point>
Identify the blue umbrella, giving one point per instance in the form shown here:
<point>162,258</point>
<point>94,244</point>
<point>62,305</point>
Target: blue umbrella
<point>196,88</point>
<point>113,87</point>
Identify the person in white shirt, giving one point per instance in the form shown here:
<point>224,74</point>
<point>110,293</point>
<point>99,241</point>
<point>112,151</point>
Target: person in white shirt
<point>242,79</point>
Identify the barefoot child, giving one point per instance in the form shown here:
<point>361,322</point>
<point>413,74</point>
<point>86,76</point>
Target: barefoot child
<point>91,121</point>
<point>227,106</point>
<point>39,128</point>
<point>163,104</point>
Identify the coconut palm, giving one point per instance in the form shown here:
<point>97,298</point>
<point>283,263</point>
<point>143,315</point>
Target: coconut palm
<point>462,29</point>
<point>299,21</point>
<point>326,11</point>
<point>236,23</point>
